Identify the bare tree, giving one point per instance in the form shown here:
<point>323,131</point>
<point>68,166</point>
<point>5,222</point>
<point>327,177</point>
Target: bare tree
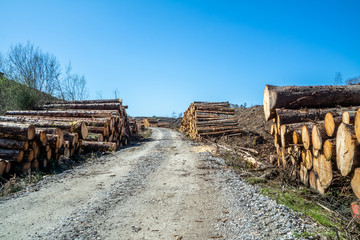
<point>72,86</point>
<point>338,80</point>
<point>1,63</point>
<point>116,93</point>
<point>32,67</point>
<point>353,81</point>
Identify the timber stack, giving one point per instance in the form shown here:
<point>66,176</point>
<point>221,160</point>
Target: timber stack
<point>316,133</point>
<point>150,122</point>
<point>42,138</point>
<point>209,119</point>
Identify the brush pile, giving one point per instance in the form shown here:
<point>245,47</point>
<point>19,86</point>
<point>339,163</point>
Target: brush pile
<point>204,119</point>
<point>40,139</point>
<point>316,133</point>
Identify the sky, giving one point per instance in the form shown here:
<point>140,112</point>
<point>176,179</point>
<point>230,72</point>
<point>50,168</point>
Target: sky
<point>161,55</point>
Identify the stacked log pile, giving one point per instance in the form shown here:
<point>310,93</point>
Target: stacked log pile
<point>204,119</point>
<point>150,122</point>
<point>42,138</point>
<point>316,133</point>
<point>164,124</point>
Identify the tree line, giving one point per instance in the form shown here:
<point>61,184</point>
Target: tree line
<point>29,76</point>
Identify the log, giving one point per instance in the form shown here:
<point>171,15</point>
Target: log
<point>312,180</point>
<point>295,97</point>
<point>17,131</point>
<point>306,136</point>
<point>91,106</point>
<point>319,188</point>
<point>286,135</point>
<point>53,140</point>
<point>14,144</point>
<point>325,172</point>
<point>355,182</point>
<point>116,100</point>
<point>331,124</point>
<point>297,139</point>
<point>329,149</point>
<point>35,165</point>
<point>54,131</point>
<point>72,138</point>
<point>3,164</point>
<point>11,154</point>
<point>97,137</point>
<point>88,146</point>
<point>308,160</point>
<point>318,135</point>
<point>8,166</point>
<point>348,117</point>
<point>357,125</point>
<point>304,175</point>
<point>316,165</point>
<point>355,210</point>
<point>347,149</point>
<point>29,155</point>
<point>69,113</point>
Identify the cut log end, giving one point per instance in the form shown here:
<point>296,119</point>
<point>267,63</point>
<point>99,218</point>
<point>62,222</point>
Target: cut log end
<point>357,125</point>
<point>347,149</point>
<point>355,183</point>
<point>305,137</point>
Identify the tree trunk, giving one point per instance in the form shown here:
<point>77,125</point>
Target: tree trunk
<point>347,149</point>
<point>17,131</point>
<point>294,97</point>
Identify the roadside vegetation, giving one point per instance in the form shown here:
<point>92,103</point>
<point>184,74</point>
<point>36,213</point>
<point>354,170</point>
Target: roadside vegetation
<point>30,76</point>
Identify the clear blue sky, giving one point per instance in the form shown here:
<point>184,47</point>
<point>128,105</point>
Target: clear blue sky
<point>162,55</point>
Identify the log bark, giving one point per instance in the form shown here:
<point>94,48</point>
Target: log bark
<point>14,144</point>
<point>294,97</point>
<point>347,149</point>
<point>116,100</point>
<point>11,154</point>
<point>72,113</point>
<point>17,131</point>
<point>88,146</point>
<point>90,106</point>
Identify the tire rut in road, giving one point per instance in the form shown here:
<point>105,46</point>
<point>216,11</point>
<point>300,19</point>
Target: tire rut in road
<point>85,222</point>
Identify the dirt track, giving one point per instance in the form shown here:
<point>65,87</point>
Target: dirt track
<point>166,188</point>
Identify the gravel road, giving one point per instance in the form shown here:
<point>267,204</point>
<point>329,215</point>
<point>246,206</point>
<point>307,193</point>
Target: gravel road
<point>166,188</point>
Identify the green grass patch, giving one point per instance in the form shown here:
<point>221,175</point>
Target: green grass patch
<point>296,199</point>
